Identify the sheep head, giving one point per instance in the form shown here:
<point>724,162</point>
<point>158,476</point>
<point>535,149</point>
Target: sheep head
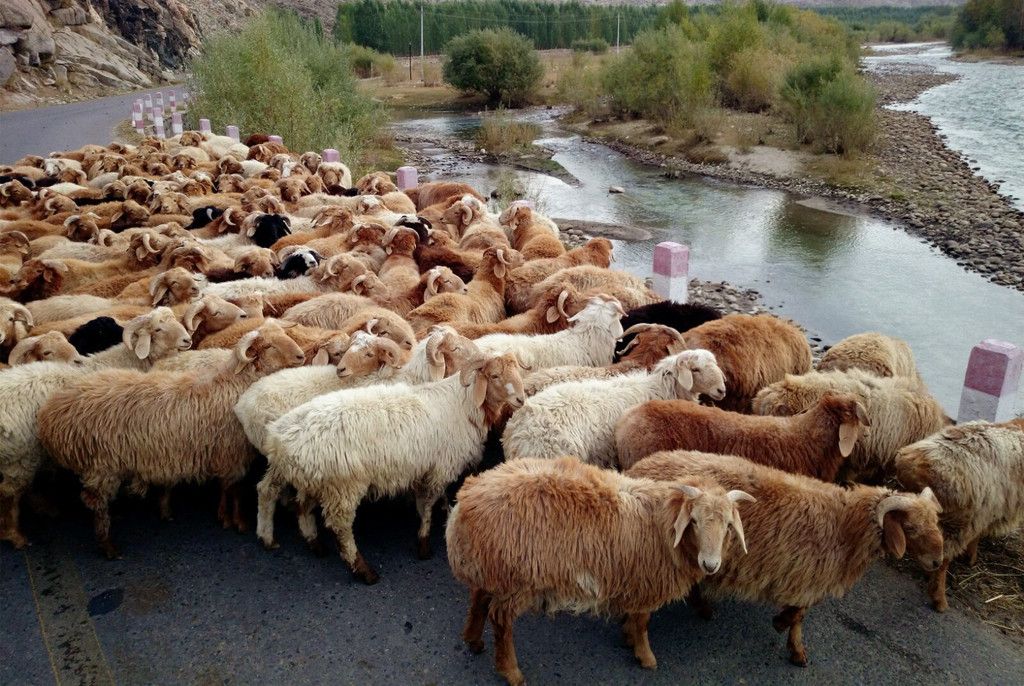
<point>211,312</point>
<point>14,193</point>
<point>462,213</point>
<point>650,343</point>
<point>51,346</point>
<point>600,252</point>
<point>292,188</point>
<point>81,227</point>
<point>266,229</point>
<point>694,372</point>
<point>14,243</point>
<point>251,304</point>
<point>331,349</point>
<point>337,218</point>
<point>230,183</point>
<point>516,216</point>
<point>713,512</point>
<point>130,215</point>
<point>156,335</point>
<point>847,411</point>
<point>177,285</point>
<point>15,322</point>
<point>49,203</point>
<point>146,248</point>
<point>169,203</point>
<point>338,270</point>
<point>257,262</point>
<point>229,164</point>
<point>190,139</point>
<point>449,350</point>
<point>401,240</point>
<point>910,524</point>
<point>376,183</point>
<point>601,310</point>
<point>296,260</point>
<point>501,260</point>
<point>311,161</point>
<point>395,328</point>
<point>39,279</point>
<point>558,304</point>
<point>367,353</point>
<point>496,382</point>
<point>442,280</point>
<point>267,350</point>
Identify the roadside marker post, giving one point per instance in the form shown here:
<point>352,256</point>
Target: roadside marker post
<point>172,101</point>
<point>671,271</point>
<point>276,139</point>
<point>408,178</point>
<point>176,124</point>
<point>991,382</point>
<point>331,155</point>
<point>204,126</point>
<point>147,103</point>
<point>232,132</point>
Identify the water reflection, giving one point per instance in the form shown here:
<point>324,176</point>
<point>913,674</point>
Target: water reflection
<point>815,236</point>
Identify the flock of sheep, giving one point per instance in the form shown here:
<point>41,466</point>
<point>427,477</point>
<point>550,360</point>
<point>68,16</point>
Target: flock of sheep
<point>174,309</point>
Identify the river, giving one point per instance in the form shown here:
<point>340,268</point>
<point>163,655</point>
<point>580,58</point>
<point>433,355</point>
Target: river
<point>834,272</point>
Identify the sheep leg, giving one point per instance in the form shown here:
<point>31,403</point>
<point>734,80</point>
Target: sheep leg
<point>473,633</point>
<point>425,506</point>
<point>9,515</point>
<point>972,552</point>
<point>165,505</point>
<point>97,498</point>
<point>268,491</point>
<point>701,605</point>
<point>792,618</point>
<point>937,587</point>
<point>307,524</point>
<point>641,644</point>
<point>340,515</point>
<point>237,518</point>
<point>222,508</point>
<point>505,661</point>
<point>628,631</point>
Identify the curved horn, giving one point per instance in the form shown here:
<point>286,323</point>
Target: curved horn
<point>893,502</point>
<point>562,297</point>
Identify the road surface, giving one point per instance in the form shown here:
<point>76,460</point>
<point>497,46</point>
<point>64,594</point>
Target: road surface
<point>63,127</point>
<point>192,603</point>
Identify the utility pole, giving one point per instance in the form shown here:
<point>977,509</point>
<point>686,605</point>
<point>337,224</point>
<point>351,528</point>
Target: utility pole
<point>617,18</point>
<point>410,60</point>
<point>423,73</point>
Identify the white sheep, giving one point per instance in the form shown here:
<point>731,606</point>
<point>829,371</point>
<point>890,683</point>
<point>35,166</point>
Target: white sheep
<point>25,388</point>
<point>578,417</point>
<point>590,342</point>
<point>386,440</point>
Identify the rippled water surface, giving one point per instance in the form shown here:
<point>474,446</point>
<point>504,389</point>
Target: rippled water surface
<point>981,113</point>
<point>836,273</point>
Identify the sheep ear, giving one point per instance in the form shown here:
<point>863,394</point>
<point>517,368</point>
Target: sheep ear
<point>684,377</point>
<point>20,330</point>
<point>372,324</point>
<point>142,344</point>
<point>848,434</point>
<point>552,315</point>
<point>322,357</point>
<point>499,266</point>
<point>480,389</point>
<point>893,538</point>
<point>682,518</point>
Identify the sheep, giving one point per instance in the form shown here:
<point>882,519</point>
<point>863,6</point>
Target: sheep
<point>649,344</point>
<point>753,352</point>
<point>534,236</point>
<point>48,347</point>
<point>976,470</point>
<point>484,301</point>
<point>626,288</point>
<point>332,274</point>
<point>680,316</point>
<point>25,388</point>
<point>550,535</point>
<point>14,193</point>
<point>520,293</point>
<point>96,335</point>
<point>808,540</point>
<point>425,286</point>
<point>296,261</point>
<point>438,250</point>
<point>334,174</point>
<point>433,433</point>
<point>427,194</point>
<point>381,322</point>
<point>15,323</point>
<point>578,417</point>
<point>476,228</point>
<point>814,443</point>
<point>589,342</point>
<point>14,248</point>
<point>180,426</point>
<point>900,410</point>
<point>327,311</point>
<point>873,352</point>
<point>550,314</point>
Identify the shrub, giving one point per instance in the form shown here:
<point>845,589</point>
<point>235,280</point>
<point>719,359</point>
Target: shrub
<point>501,65</point>
<point>664,77</point>
<point>498,134</point>
<point>277,76</point>
<point>598,46</point>
<point>753,79</point>
<point>990,25</point>
<point>367,62</point>
<point>830,106</point>
<point>432,74</point>
<point>580,86</point>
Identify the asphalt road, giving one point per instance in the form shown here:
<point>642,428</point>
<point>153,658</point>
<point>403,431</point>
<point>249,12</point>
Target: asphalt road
<point>63,127</point>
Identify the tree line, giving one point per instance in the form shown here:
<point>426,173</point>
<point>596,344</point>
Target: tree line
<point>393,25</point>
<point>990,25</point>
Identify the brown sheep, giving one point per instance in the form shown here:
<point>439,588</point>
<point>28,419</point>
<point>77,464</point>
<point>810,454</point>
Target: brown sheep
<point>376,183</point>
<point>534,239</point>
<point>629,290</point>
<point>380,322</point>
<point>311,340</point>
<point>49,347</point>
<point>14,248</point>
<point>427,194</point>
<point>753,352</point>
<point>814,443</point>
<point>873,352</point>
<point>596,252</point>
<point>255,261</point>
<point>550,314</point>
<point>808,540</point>
<point>14,193</point>
<point>181,426</point>
<point>483,303</point>
<point>440,250</point>
<point>552,535</point>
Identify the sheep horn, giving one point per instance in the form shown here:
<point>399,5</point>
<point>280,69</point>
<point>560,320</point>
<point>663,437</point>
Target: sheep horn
<point>357,282</point>
<point>330,267</point>
<point>893,502</point>
<point>638,328</point>
<point>432,278</point>
<point>390,235</point>
<point>562,297</point>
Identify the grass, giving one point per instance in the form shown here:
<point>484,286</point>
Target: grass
<point>993,589</point>
<point>500,135</point>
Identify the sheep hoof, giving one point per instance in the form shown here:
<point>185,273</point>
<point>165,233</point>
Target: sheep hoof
<point>364,572</point>
<point>798,659</point>
<point>316,547</point>
<point>651,663</point>
<point>269,545</point>
<point>515,678</point>
<point>423,549</point>
<point>476,646</point>
<point>940,604</point>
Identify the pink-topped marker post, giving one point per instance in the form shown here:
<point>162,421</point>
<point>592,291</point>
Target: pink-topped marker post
<point>172,101</point>
<point>331,155</point>
<point>204,126</point>
<point>231,131</point>
<point>275,139</point>
<point>671,271</point>
<point>408,178</point>
<point>176,124</point>
<point>991,382</point>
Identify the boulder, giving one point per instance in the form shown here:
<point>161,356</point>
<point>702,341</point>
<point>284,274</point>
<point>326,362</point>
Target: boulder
<point>8,65</point>
<point>16,14</point>
<point>69,16</point>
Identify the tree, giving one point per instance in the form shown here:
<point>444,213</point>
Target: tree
<point>500,64</point>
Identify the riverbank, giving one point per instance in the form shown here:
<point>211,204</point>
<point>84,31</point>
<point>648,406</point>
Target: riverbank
<point>911,177</point>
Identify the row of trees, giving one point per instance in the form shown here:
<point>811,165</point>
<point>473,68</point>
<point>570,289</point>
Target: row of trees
<point>991,25</point>
<point>393,25</point>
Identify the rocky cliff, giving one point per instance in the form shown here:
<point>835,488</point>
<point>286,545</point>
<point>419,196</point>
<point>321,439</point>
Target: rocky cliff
<point>52,50</point>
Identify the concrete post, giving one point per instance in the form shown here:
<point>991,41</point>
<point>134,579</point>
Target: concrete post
<point>276,139</point>
<point>671,271</point>
<point>204,126</point>
<point>176,124</point>
<point>991,382</point>
<point>331,155</point>
<point>408,178</point>
<point>232,132</point>
<point>147,104</point>
<point>172,101</point>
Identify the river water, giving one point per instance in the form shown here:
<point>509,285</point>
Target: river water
<point>834,272</point>
<point>981,113</point>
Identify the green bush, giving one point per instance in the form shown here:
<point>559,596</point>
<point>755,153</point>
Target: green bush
<point>665,77</point>
<point>499,134</point>
<point>277,76</point>
<point>830,106</point>
<point>989,25</point>
<point>753,79</point>
<point>598,46</point>
<point>367,62</point>
<point>501,65</point>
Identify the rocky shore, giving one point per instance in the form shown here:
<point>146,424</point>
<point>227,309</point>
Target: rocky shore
<point>931,190</point>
